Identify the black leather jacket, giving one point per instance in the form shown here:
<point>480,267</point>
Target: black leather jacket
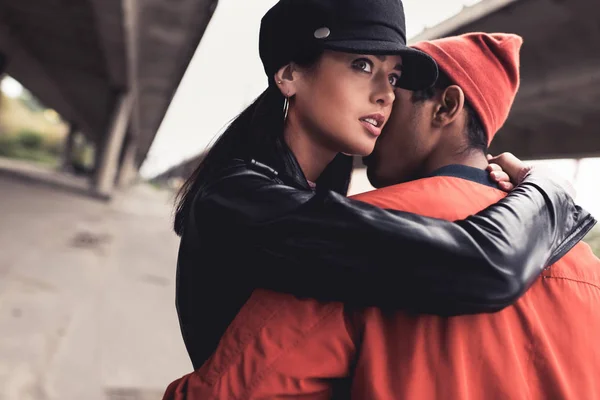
<point>254,227</point>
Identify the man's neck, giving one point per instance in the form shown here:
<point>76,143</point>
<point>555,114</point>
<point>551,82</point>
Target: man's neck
<point>475,159</point>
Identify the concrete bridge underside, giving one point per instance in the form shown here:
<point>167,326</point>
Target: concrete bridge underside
<point>109,67</point>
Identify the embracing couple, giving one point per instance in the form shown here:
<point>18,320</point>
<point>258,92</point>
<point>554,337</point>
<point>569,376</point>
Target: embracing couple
<point>461,277</point>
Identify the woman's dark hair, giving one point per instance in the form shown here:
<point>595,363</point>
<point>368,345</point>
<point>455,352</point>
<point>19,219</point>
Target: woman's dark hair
<point>476,136</point>
<point>253,134</point>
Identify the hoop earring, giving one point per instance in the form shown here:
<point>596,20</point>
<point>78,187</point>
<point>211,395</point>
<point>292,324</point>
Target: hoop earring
<point>286,107</point>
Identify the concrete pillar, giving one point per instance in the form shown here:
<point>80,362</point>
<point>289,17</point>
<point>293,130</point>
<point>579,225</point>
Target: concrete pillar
<point>129,169</point>
<point>3,62</point>
<point>67,157</point>
<point>108,158</point>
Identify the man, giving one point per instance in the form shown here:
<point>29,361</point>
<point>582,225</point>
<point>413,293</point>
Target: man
<point>432,158</point>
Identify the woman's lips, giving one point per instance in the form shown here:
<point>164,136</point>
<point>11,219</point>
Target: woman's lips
<point>373,123</point>
<point>373,130</point>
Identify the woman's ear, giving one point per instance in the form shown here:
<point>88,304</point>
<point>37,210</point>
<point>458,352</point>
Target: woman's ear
<point>286,79</point>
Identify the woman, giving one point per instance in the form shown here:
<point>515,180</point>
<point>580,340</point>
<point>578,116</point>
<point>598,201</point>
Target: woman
<point>267,208</point>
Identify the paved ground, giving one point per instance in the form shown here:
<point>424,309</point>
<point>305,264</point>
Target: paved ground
<point>86,294</point>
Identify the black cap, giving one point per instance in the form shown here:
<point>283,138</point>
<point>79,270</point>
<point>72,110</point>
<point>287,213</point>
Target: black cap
<point>292,28</point>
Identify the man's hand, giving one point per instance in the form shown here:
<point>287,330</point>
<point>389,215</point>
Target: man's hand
<point>507,170</point>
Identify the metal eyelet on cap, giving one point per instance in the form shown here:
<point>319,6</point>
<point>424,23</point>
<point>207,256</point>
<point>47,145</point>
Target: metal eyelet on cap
<point>322,33</point>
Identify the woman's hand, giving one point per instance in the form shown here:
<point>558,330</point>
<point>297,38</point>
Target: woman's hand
<point>507,170</point>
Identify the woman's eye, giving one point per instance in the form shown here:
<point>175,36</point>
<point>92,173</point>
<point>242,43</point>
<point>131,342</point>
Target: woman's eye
<point>394,80</point>
<point>362,65</point>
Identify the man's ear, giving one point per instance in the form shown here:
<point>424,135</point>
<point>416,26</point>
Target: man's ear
<point>287,78</point>
<point>450,105</point>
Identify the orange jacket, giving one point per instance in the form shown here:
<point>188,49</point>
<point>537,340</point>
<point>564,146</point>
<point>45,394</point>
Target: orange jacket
<point>546,346</point>
<point>280,346</point>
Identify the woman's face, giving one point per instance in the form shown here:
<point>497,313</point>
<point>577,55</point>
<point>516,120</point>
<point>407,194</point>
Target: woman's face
<point>345,100</point>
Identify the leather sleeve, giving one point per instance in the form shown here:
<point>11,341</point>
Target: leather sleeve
<point>326,246</point>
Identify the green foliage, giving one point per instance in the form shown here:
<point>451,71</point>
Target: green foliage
<point>7,145</point>
<point>32,146</point>
<point>30,140</point>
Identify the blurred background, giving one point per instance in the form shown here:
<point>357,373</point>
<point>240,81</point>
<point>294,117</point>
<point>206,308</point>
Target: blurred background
<point>105,108</point>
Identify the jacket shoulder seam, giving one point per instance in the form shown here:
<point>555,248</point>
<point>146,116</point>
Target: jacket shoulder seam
<point>594,285</point>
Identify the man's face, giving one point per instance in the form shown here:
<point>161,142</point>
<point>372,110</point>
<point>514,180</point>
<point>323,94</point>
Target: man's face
<point>405,144</point>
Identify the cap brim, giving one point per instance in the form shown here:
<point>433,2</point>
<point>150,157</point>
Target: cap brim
<point>419,70</point>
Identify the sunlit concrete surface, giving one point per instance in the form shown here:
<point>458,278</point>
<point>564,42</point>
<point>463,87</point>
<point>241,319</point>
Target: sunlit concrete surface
<point>86,294</point>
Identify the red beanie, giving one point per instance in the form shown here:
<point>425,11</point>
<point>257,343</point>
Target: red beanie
<point>486,67</point>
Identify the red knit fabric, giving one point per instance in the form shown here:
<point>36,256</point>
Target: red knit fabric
<point>486,67</point>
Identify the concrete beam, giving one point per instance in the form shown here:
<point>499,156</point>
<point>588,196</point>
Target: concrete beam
<point>550,141</point>
<point>568,81</point>
<point>131,18</point>
<point>162,26</point>
<point>465,17</point>
<point>23,66</point>
<point>110,22</point>
<point>3,62</point>
<point>108,161</point>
